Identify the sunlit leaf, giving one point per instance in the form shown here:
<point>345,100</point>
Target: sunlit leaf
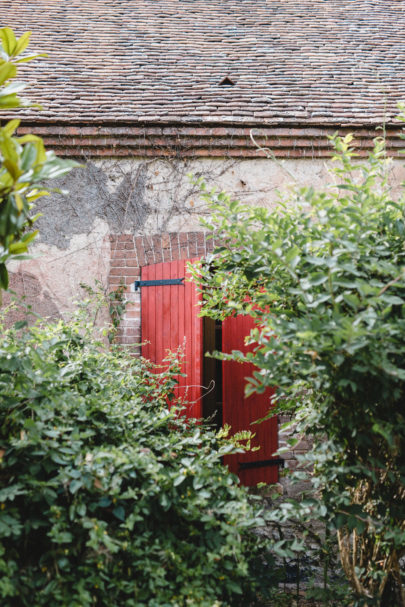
<point>22,43</point>
<point>8,40</point>
<point>7,71</point>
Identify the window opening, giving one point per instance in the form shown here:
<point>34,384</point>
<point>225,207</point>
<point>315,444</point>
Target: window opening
<point>227,82</point>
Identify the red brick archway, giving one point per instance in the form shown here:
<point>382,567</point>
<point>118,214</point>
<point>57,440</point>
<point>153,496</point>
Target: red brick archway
<point>130,253</point>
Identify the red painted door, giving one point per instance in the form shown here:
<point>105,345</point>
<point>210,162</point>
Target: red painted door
<point>169,321</point>
<point>239,412</point>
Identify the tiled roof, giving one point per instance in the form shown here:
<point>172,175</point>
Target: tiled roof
<point>295,62</point>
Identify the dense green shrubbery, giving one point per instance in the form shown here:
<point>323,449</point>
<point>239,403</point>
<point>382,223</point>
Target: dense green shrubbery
<point>324,274</point>
<point>108,497</point>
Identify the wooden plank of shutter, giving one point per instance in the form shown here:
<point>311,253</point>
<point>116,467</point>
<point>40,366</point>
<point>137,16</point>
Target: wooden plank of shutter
<point>169,320</point>
<point>239,412</point>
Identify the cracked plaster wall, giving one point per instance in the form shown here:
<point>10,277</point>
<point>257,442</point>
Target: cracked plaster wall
<point>139,197</point>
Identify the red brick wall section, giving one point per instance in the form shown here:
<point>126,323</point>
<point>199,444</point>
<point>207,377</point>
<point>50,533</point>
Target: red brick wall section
<point>129,253</point>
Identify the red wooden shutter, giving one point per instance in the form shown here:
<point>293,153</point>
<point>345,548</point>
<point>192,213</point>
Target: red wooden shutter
<point>169,320</point>
<point>239,412</point>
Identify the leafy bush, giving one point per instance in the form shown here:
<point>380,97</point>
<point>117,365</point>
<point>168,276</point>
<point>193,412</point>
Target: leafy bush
<point>25,164</point>
<point>324,274</point>
<point>108,497</point>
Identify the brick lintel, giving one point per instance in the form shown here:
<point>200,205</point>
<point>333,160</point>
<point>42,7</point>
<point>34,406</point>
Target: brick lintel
<point>207,141</point>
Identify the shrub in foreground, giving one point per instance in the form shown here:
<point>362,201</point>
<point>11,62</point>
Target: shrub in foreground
<point>324,275</point>
<point>107,497</point>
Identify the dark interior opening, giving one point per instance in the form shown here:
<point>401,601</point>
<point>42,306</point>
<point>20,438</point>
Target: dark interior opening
<point>212,373</point>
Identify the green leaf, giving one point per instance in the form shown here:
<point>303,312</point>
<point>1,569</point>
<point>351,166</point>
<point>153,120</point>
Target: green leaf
<point>7,71</point>
<point>15,172</point>
<point>393,300</point>
<point>20,324</point>
<point>8,149</point>
<point>9,101</point>
<point>18,248</point>
<point>3,276</point>
<point>27,238</point>
<point>29,139</point>
<point>35,194</point>
<point>8,40</point>
<point>10,127</point>
<point>22,43</point>
<point>76,484</point>
<point>119,512</point>
<point>13,88</point>
<point>19,201</point>
<point>28,58</point>
<point>178,480</point>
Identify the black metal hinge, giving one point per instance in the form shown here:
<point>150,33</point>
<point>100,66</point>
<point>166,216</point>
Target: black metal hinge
<point>262,463</point>
<point>157,283</point>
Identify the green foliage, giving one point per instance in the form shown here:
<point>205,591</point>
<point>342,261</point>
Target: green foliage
<point>108,497</point>
<point>117,305</point>
<point>25,164</point>
<point>324,276</point>
<point>115,301</point>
